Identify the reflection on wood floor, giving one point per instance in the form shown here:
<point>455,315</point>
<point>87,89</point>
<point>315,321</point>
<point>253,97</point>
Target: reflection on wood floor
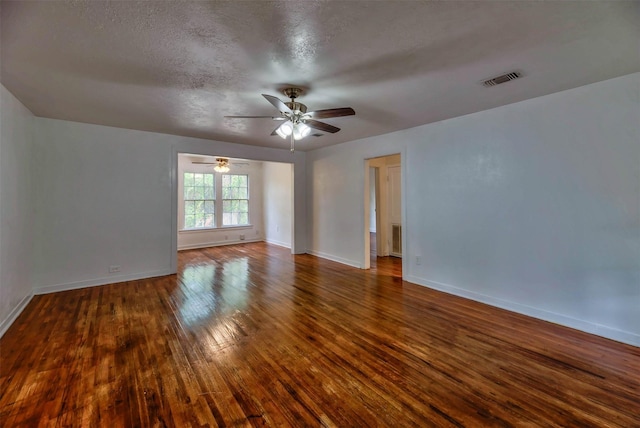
<point>250,335</point>
<point>388,266</point>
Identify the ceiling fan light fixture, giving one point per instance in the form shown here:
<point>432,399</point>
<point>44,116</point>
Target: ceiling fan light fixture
<point>223,165</point>
<point>285,129</point>
<point>300,131</point>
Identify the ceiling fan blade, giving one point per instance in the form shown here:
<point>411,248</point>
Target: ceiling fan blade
<point>331,112</point>
<point>256,117</point>
<point>315,124</point>
<point>277,103</point>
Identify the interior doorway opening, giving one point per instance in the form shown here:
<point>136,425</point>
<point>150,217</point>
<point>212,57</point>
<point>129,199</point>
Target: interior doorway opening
<point>249,201</point>
<point>383,214</point>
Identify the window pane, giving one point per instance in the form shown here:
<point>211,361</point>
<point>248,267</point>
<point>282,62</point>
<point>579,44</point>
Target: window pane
<point>208,220</point>
<point>188,179</point>
<point>189,208</point>
<point>242,193</point>
<point>208,207</point>
<point>198,193</point>
<point>208,180</point>
<point>199,206</point>
<point>199,219</point>
<point>188,192</point>
<point>198,180</point>
<point>243,218</point>
<point>226,218</point>
<point>225,180</point>
<point>243,206</point>
<point>189,222</point>
<point>208,192</point>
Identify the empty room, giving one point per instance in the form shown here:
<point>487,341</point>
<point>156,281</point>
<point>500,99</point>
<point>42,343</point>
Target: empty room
<point>319,213</point>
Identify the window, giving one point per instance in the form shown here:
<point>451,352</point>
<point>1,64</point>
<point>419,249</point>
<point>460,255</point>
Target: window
<point>213,200</point>
<point>199,200</point>
<point>235,200</point>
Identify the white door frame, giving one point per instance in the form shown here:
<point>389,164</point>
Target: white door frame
<point>379,162</point>
<point>390,218</point>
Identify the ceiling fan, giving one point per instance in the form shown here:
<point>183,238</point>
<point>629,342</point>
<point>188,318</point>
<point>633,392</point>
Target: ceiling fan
<point>298,122</point>
<point>221,164</point>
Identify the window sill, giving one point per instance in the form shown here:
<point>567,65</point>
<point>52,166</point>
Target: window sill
<point>213,229</point>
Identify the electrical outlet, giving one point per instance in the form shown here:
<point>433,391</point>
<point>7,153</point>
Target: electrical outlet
<point>114,268</point>
<point>242,237</point>
<point>418,260</point>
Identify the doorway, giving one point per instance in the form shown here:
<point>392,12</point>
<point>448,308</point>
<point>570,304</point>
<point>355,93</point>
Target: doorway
<point>383,214</point>
<point>262,191</point>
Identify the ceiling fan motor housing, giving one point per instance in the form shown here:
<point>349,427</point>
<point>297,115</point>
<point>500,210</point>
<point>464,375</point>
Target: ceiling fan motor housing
<point>292,93</point>
<point>297,107</point>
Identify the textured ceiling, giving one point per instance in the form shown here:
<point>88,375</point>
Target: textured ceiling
<point>178,67</point>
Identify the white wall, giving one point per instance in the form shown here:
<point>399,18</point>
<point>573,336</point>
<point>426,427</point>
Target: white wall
<point>222,235</point>
<point>277,197</point>
<point>16,209</point>
<point>107,196</point>
<point>534,206</point>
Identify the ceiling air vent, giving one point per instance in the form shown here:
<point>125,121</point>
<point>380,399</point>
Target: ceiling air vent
<point>502,79</point>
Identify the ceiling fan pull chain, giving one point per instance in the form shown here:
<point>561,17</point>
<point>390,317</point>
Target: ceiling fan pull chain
<point>292,142</point>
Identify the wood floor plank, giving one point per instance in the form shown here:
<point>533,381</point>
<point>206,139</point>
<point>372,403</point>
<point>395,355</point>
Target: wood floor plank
<point>250,335</point>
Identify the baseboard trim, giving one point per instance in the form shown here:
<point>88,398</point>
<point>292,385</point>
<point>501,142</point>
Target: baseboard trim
<point>278,243</point>
<point>578,324</point>
<point>46,289</point>
<point>216,244</point>
<point>14,314</point>
<point>334,258</point>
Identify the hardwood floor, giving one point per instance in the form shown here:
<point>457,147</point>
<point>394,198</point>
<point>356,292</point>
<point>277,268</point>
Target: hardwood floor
<point>389,266</point>
<point>249,335</point>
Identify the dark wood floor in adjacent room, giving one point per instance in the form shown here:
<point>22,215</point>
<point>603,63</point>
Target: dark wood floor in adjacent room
<point>250,335</point>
